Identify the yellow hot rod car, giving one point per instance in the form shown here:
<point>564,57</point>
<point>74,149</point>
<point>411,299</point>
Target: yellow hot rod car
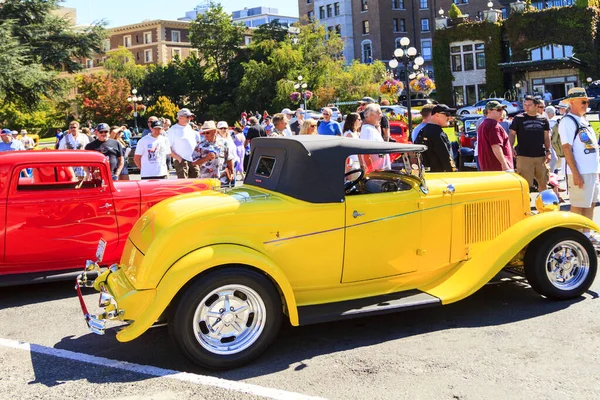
<point>300,241</point>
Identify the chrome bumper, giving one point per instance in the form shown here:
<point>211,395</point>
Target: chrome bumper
<point>97,322</point>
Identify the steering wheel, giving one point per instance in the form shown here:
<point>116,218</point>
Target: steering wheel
<point>348,185</point>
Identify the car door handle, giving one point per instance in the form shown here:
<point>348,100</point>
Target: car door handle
<point>107,205</point>
<point>450,189</point>
<point>357,214</point>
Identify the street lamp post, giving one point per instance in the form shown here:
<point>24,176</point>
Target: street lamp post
<point>134,99</point>
<point>301,87</point>
<point>406,55</point>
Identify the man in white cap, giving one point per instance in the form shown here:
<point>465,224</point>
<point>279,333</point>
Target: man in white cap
<point>183,140</point>
<point>27,140</point>
<point>151,153</point>
<point>580,145</point>
<point>213,156</point>
<point>288,114</point>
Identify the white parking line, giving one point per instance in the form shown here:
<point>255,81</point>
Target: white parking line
<point>158,372</point>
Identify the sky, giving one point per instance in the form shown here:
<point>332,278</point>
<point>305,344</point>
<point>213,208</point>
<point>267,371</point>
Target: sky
<point>125,12</point>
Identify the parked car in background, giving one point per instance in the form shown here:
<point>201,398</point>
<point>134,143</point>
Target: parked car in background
<point>399,131</point>
<point>301,241</point>
<point>417,104</point>
<point>312,114</point>
<point>512,107</point>
<point>52,219</point>
<point>131,167</point>
<point>400,110</point>
<point>467,137</point>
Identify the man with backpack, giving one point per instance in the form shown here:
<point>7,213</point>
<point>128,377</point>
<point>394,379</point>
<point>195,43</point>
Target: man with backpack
<point>580,147</point>
<point>561,110</point>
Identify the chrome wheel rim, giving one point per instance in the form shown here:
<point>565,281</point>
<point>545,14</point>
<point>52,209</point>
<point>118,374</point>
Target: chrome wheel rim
<point>229,319</point>
<point>567,265</point>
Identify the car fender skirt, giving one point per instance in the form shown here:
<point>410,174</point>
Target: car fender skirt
<point>469,276</point>
<point>198,262</point>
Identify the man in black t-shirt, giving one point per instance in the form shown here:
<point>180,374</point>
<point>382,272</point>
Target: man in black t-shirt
<point>438,156</point>
<point>532,131</point>
<point>111,148</point>
<point>255,130</point>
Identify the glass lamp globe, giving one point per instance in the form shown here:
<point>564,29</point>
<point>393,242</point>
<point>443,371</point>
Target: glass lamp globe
<point>299,77</point>
<point>415,67</point>
<point>441,12</point>
<point>129,99</point>
<point>420,76</point>
<point>589,79</point>
<point>490,4</point>
<point>393,63</point>
<point>404,41</point>
<point>304,85</point>
<point>411,52</point>
<point>419,60</point>
<point>412,76</point>
<point>296,86</point>
<point>517,85</point>
<point>398,53</point>
<point>134,90</point>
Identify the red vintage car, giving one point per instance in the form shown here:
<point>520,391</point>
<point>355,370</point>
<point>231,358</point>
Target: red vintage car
<point>56,205</point>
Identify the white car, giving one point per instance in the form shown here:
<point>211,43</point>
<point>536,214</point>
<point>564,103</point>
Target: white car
<point>312,114</point>
<point>512,107</point>
<point>399,110</point>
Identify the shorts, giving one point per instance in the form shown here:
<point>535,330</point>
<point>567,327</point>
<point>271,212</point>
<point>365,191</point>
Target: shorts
<point>586,197</point>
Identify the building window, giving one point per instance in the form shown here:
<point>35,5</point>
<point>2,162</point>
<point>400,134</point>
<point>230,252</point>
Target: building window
<point>426,49</point>
<point>468,62</point>
<point>194,52</point>
<point>456,63</point>
<point>471,94</point>
<point>338,29</point>
<point>176,53</point>
<point>336,8</point>
<point>329,11</point>
<point>127,41</point>
<point>365,27</point>
<point>90,63</point>
<point>423,4</point>
<point>148,56</point>
<point>480,59</point>
<point>309,1</point>
<point>550,52</point>
<point>398,4</point>
<point>402,25</point>
<point>175,36</point>
<point>396,25</point>
<point>424,24</point>
<point>367,52</point>
<point>311,15</point>
<point>106,44</point>
<point>459,96</point>
<point>363,5</point>
<point>322,12</point>
<point>147,37</point>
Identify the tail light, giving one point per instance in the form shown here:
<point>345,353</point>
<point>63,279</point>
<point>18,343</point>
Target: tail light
<point>515,105</point>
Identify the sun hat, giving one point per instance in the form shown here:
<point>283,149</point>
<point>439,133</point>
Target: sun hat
<point>208,126</point>
<point>23,131</point>
<point>367,100</point>
<point>222,124</point>
<point>562,105</point>
<point>577,93</point>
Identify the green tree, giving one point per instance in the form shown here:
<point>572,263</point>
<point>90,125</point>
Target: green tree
<point>120,64</point>
<point>217,39</point>
<point>103,98</point>
<point>163,108</point>
<point>270,31</point>
<point>454,11</point>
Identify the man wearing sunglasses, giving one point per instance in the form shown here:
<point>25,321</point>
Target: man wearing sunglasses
<point>532,131</point>
<point>580,146</point>
<point>111,148</point>
<point>438,156</point>
<point>493,147</point>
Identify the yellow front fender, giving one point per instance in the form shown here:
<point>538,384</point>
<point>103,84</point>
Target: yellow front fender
<point>469,276</point>
<point>201,260</point>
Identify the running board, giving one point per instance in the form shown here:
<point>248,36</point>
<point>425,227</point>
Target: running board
<point>383,304</point>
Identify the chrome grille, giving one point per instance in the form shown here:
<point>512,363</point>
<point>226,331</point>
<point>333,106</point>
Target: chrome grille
<point>486,220</point>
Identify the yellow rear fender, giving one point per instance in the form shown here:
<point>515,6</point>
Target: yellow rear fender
<point>469,276</point>
<point>200,261</point>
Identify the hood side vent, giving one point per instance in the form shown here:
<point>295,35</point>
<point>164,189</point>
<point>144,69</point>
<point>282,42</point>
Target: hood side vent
<point>486,220</point>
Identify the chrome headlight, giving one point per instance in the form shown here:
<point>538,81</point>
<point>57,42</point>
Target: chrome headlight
<point>547,201</point>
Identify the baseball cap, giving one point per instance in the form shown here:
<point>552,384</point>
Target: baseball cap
<point>14,133</point>
<point>492,105</point>
<point>222,124</point>
<point>5,132</point>
<point>287,111</point>
<point>367,100</point>
<point>185,112</point>
<point>157,124</point>
<point>103,127</point>
<point>442,108</point>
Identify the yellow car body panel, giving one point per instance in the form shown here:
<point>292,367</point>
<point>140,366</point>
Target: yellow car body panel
<point>193,265</point>
<point>469,276</point>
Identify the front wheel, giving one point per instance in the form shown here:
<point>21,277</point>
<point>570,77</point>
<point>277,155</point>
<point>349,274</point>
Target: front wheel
<point>561,264</point>
<point>227,318</point>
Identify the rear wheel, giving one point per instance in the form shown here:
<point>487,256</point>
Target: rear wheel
<point>227,318</point>
<point>561,264</point>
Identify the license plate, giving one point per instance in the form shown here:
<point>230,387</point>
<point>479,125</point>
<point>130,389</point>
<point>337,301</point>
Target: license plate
<point>100,250</point>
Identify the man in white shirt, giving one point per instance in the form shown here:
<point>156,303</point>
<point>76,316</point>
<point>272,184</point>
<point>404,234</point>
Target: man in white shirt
<point>368,131</point>
<point>183,140</point>
<point>580,145</point>
<point>289,114</point>
<point>151,153</point>
<point>73,140</point>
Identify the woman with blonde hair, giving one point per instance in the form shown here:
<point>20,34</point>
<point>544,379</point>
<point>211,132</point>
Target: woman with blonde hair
<point>116,133</point>
<point>309,127</point>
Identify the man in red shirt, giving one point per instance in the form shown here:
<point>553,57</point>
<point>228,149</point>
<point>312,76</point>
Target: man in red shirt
<point>493,145</point>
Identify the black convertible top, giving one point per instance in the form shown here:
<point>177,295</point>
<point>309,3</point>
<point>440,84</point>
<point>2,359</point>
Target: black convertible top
<point>310,167</point>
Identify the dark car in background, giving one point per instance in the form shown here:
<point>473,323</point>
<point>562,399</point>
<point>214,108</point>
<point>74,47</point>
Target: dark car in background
<point>131,167</point>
